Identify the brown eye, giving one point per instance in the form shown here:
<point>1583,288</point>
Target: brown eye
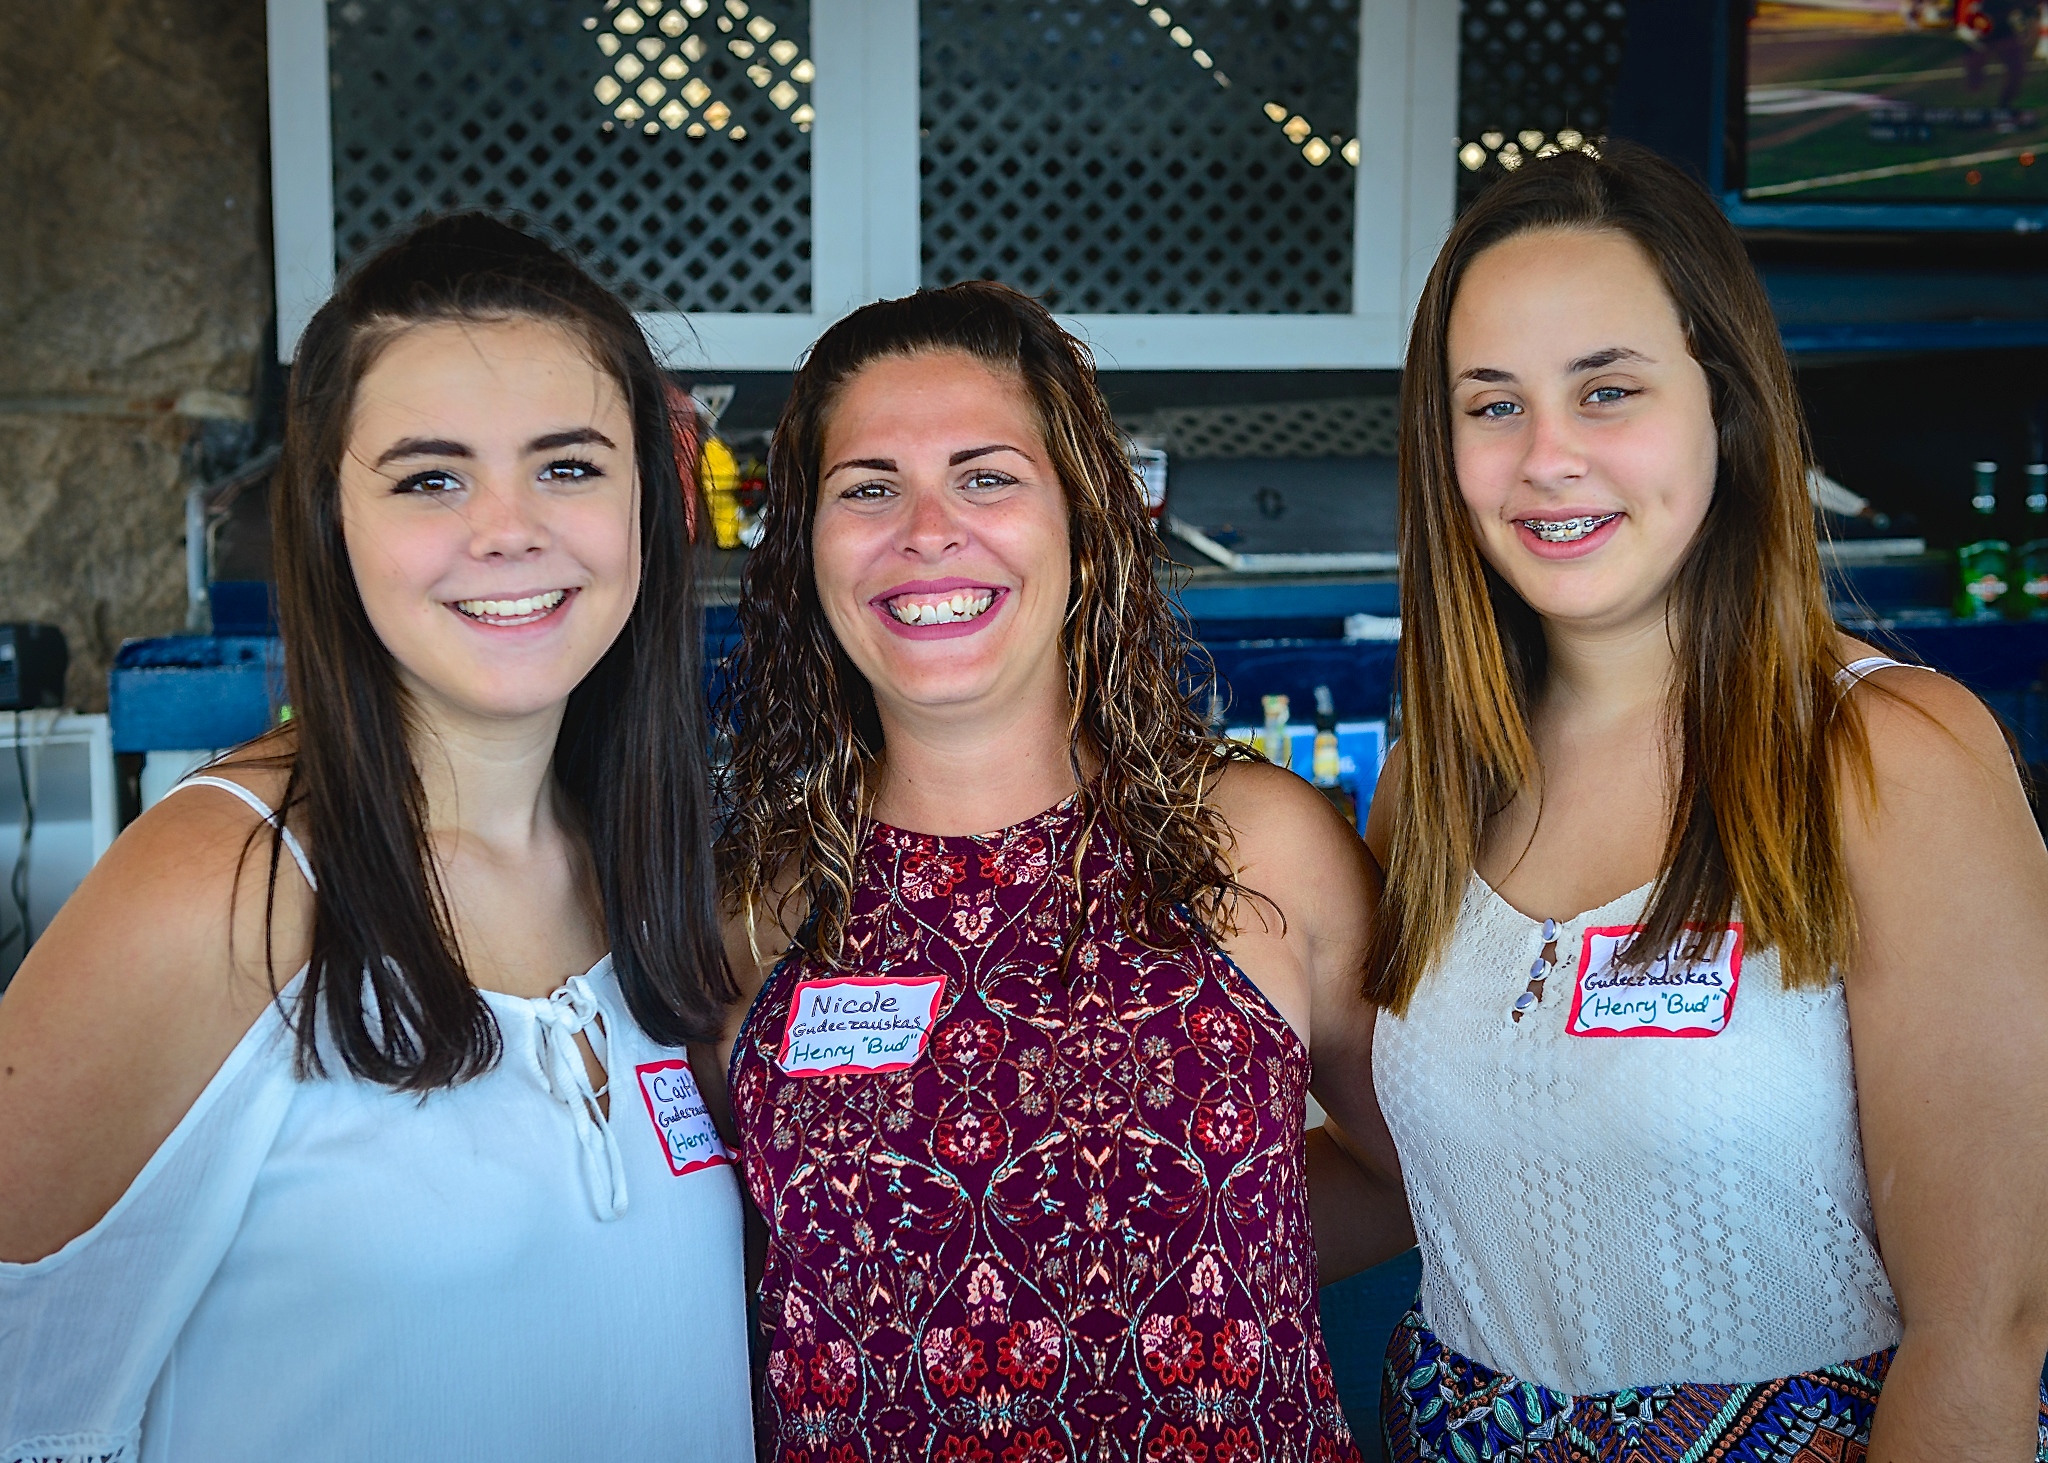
<point>433,481</point>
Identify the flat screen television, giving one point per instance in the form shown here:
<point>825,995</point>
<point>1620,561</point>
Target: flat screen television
<point>1885,114</point>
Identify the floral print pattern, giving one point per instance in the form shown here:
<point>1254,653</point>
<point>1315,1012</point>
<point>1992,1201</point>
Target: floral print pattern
<point>1076,1228</point>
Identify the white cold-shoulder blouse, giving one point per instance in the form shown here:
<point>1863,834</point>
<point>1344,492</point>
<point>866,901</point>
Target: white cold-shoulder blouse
<point>327,1269</point>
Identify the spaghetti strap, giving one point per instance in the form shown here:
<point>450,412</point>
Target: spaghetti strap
<point>1856,670</point>
<point>263,810</point>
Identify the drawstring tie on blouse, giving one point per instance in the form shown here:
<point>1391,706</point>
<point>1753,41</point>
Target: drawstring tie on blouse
<point>570,1012</point>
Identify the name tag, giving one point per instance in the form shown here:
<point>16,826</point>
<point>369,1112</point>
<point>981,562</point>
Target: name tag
<point>1671,996</point>
<point>680,1117</point>
<point>859,1023</point>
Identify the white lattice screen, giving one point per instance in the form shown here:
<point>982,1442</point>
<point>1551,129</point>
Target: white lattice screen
<point>1115,157</point>
<point>667,144</point>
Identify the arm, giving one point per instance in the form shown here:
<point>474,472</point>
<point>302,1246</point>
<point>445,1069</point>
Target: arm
<point>1293,847</point>
<point>752,959</point>
<point>1950,1032</point>
<point>127,1006</point>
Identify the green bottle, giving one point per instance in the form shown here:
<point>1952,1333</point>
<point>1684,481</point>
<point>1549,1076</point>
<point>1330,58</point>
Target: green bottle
<point>1984,567</point>
<point>2032,600</point>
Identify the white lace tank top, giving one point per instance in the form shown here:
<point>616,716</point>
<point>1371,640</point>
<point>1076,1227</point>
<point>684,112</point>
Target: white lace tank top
<point>1652,1177</point>
<point>330,1270</point>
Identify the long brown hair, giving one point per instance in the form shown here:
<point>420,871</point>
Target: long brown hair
<point>804,734</point>
<point>385,972</point>
<point>1759,721</point>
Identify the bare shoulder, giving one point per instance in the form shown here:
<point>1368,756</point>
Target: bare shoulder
<point>1386,802</point>
<point>1279,821</point>
<point>1942,829</point>
<point>1928,735</point>
<point>128,1004</point>
<point>1293,849</point>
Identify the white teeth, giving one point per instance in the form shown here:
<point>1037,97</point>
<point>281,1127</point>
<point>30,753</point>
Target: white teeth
<point>962,606</point>
<point>512,609</point>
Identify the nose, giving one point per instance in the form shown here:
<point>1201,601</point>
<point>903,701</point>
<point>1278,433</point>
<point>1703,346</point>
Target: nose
<point>1555,454</point>
<point>506,520</point>
<point>933,526</point>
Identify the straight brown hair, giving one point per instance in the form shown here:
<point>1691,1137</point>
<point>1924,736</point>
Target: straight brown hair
<point>801,719</point>
<point>1762,727</point>
<point>385,974</point>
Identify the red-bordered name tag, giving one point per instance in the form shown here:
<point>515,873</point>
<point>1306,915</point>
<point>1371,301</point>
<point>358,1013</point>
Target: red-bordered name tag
<point>859,1023</point>
<point>1671,996</point>
<point>683,1123</point>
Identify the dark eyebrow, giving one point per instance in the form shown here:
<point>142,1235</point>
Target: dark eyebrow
<point>973,452</point>
<point>1484,373</point>
<point>1606,357</point>
<point>872,464</point>
<point>573,437</point>
<point>423,447</point>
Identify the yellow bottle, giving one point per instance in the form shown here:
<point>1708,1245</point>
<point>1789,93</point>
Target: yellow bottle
<point>720,474</point>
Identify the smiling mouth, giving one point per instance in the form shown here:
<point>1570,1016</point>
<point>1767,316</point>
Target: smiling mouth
<point>942,609</point>
<point>1566,530</point>
<point>522,611</point>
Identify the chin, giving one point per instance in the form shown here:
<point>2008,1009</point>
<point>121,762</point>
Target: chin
<point>508,694</point>
<point>937,689</point>
<point>1587,605</point>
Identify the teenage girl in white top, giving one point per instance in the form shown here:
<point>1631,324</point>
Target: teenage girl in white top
<point>365,1130</point>
<point>1714,948</point>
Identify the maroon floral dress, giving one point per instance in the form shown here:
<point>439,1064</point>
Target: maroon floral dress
<point>1045,1213</point>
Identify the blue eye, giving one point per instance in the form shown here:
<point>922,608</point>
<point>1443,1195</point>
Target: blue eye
<point>1495,411</point>
<point>1606,395</point>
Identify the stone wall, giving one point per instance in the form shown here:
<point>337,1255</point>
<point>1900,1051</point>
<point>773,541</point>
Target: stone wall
<point>135,299</point>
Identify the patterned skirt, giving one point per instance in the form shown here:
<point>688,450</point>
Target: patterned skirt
<point>1437,1406</point>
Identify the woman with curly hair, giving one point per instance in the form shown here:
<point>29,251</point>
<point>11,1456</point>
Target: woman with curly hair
<point>1037,964</point>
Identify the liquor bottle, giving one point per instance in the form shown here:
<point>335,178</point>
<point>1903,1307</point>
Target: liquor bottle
<point>1984,566</point>
<point>1327,766</point>
<point>1275,741</point>
<point>2032,600</point>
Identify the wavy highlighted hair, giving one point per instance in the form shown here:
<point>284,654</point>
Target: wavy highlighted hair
<point>1759,723</point>
<point>805,737</point>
